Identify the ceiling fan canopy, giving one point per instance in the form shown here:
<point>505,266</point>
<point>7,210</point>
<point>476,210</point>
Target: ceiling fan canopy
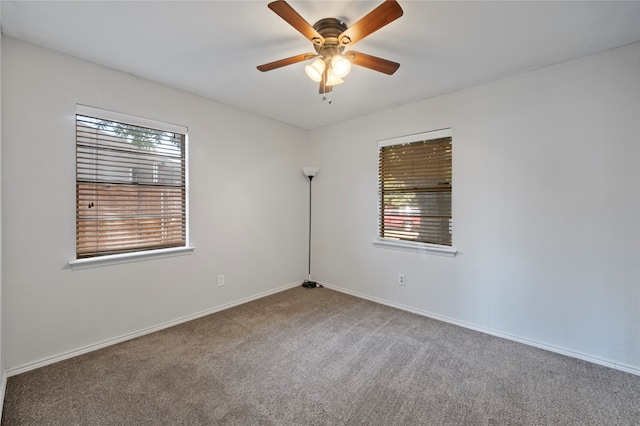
<point>330,38</point>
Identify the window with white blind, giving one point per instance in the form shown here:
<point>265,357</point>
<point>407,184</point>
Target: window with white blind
<point>130,184</point>
<point>415,185</point>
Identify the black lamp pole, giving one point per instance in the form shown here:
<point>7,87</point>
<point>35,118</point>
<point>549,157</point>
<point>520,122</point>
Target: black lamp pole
<point>310,172</point>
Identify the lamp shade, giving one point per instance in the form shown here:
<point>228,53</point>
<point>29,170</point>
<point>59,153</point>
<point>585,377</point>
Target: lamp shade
<point>340,66</point>
<point>315,69</point>
<point>332,79</point>
<point>310,171</point>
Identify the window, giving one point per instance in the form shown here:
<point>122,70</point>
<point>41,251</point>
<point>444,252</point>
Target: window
<point>130,184</point>
<point>415,183</point>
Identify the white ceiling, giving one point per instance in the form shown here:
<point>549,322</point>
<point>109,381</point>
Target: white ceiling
<point>212,48</point>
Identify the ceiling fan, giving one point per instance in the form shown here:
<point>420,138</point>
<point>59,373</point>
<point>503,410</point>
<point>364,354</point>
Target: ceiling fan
<point>330,37</point>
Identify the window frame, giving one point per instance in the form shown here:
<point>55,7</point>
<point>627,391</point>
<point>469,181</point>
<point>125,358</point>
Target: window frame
<point>413,246</point>
<point>135,256</point>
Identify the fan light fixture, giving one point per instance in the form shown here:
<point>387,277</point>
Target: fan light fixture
<point>339,67</point>
<point>330,37</point>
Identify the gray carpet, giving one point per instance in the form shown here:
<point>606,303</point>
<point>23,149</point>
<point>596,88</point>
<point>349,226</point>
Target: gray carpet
<point>320,357</point>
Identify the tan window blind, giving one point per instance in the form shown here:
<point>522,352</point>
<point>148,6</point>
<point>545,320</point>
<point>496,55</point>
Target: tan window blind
<point>415,191</point>
<point>130,188</point>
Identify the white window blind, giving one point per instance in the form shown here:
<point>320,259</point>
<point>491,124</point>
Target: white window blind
<point>130,186</point>
<point>415,185</point>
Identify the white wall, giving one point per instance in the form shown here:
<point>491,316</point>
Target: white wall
<point>247,209</point>
<point>3,374</point>
<point>546,208</point>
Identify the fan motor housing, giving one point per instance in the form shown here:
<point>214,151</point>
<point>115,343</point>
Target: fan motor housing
<point>330,29</point>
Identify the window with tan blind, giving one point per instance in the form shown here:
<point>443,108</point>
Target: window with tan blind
<point>130,185</point>
<point>415,184</point>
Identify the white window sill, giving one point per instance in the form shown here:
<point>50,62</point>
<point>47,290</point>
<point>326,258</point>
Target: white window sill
<point>95,262</point>
<point>416,247</point>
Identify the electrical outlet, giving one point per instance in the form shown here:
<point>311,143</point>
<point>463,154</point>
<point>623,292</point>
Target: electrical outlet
<point>402,279</point>
<point>220,280</point>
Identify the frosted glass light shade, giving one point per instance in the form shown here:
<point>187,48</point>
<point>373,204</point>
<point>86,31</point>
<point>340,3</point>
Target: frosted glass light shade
<point>332,79</point>
<point>315,69</point>
<point>310,171</point>
<point>340,66</point>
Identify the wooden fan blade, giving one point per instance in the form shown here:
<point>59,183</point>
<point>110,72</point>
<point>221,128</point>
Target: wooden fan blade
<point>287,61</point>
<point>323,84</point>
<point>382,15</point>
<point>324,88</point>
<point>372,62</point>
<point>286,12</point>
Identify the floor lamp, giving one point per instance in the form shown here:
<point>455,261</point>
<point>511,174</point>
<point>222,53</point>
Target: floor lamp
<point>310,172</point>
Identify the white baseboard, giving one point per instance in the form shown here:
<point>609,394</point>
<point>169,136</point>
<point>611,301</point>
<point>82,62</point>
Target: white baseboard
<point>86,349</point>
<point>103,344</point>
<point>551,348</point>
